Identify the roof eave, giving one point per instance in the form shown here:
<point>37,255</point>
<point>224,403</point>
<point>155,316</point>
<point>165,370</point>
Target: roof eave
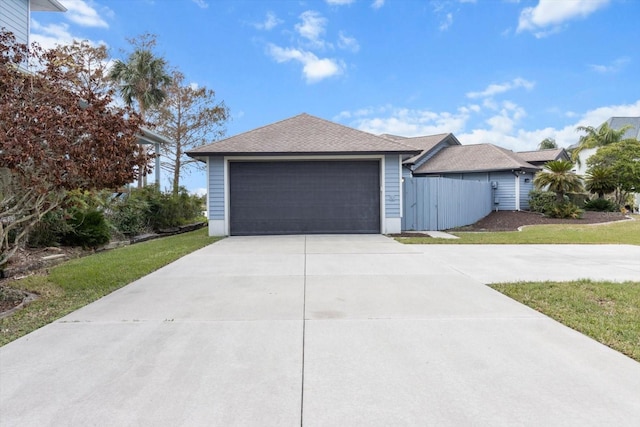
<point>196,154</point>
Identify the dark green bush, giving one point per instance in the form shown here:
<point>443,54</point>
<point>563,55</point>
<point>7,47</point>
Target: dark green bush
<point>541,201</point>
<point>601,205</point>
<point>49,230</point>
<point>88,229</point>
<point>564,210</point>
<point>129,215</point>
<point>578,199</point>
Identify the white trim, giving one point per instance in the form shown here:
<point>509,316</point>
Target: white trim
<point>393,226</point>
<point>517,190</point>
<point>383,193</point>
<point>228,159</point>
<point>401,181</point>
<point>208,186</point>
<point>217,227</point>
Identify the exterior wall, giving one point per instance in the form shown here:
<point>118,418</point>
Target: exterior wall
<point>444,203</point>
<point>217,194</point>
<point>525,188</point>
<point>14,16</point>
<point>505,194</point>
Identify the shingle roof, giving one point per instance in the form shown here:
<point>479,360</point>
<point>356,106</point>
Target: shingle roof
<point>473,158</point>
<point>543,155</point>
<point>423,143</point>
<point>303,134</point>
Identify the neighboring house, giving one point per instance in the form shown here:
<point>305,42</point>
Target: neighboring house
<point>510,176</point>
<point>615,123</point>
<point>541,157</point>
<point>15,15</point>
<point>304,175</point>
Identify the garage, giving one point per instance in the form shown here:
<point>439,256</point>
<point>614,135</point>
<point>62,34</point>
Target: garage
<point>304,197</point>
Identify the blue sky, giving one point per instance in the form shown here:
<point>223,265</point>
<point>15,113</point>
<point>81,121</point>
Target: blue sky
<point>505,72</point>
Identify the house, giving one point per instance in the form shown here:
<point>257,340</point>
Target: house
<point>304,175</point>
<point>541,157</point>
<point>15,15</point>
<point>309,175</point>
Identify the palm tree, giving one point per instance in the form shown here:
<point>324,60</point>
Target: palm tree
<point>600,180</point>
<point>142,79</point>
<point>559,177</point>
<point>547,144</point>
<point>597,137</point>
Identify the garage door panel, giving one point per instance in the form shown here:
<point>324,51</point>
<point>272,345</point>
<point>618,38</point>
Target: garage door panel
<point>297,197</point>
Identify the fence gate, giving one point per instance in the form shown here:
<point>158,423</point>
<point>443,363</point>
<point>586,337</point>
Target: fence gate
<point>443,203</point>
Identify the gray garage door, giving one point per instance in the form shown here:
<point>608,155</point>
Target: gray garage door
<point>304,197</point>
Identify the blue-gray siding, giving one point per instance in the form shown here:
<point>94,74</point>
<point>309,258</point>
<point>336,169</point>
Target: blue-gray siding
<point>505,194</point>
<point>216,188</point>
<point>14,16</point>
<point>442,203</point>
<point>392,186</point>
<point>525,188</point>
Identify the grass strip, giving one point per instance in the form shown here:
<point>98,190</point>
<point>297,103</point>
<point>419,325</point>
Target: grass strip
<point>619,232</point>
<point>608,312</point>
<point>81,281</point>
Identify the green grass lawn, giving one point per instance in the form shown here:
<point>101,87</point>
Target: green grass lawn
<point>78,282</point>
<point>607,312</point>
<point>622,232</point>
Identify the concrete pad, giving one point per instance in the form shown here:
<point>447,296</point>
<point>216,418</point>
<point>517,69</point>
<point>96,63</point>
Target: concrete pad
<point>407,297</point>
<point>205,265</point>
<point>493,372</point>
<point>197,297</point>
<point>503,263</point>
<point>257,245</point>
<point>440,235</point>
<point>154,373</point>
<point>410,263</point>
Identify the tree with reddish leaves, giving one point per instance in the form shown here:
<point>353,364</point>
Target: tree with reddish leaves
<point>59,130</point>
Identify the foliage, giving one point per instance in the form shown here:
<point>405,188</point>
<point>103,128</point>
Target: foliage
<point>564,210</point>
<point>597,137</point>
<point>190,116</point>
<point>48,231</point>
<point>547,144</point>
<point>88,228</point>
<point>559,177</point>
<point>578,199</point>
<point>622,158</point>
<point>605,311</point>
<point>142,77</point>
<point>601,205</point>
<point>79,282</point>
<point>59,130</point>
<point>541,201</point>
<point>150,209</point>
<point>600,180</point>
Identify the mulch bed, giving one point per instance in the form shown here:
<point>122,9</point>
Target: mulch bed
<point>511,221</point>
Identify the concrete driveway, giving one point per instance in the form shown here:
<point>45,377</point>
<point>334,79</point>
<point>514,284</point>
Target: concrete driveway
<point>327,331</point>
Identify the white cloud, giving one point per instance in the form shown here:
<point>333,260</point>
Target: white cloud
<point>406,122</point>
<point>201,3</point>
<point>548,16</point>
<point>446,23</point>
<point>49,36</point>
<point>614,67</point>
<point>313,68</point>
<point>312,27</point>
<point>495,89</point>
<point>377,4</point>
<point>339,2</point>
<point>270,22</point>
<point>501,129</point>
<point>347,43</point>
<point>81,13</point>
<point>199,192</point>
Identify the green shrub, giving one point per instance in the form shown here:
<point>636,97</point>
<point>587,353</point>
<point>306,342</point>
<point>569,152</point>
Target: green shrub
<point>88,229</point>
<point>601,205</point>
<point>541,201</point>
<point>564,210</point>
<point>578,199</point>
<point>129,215</point>
<point>49,230</point>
